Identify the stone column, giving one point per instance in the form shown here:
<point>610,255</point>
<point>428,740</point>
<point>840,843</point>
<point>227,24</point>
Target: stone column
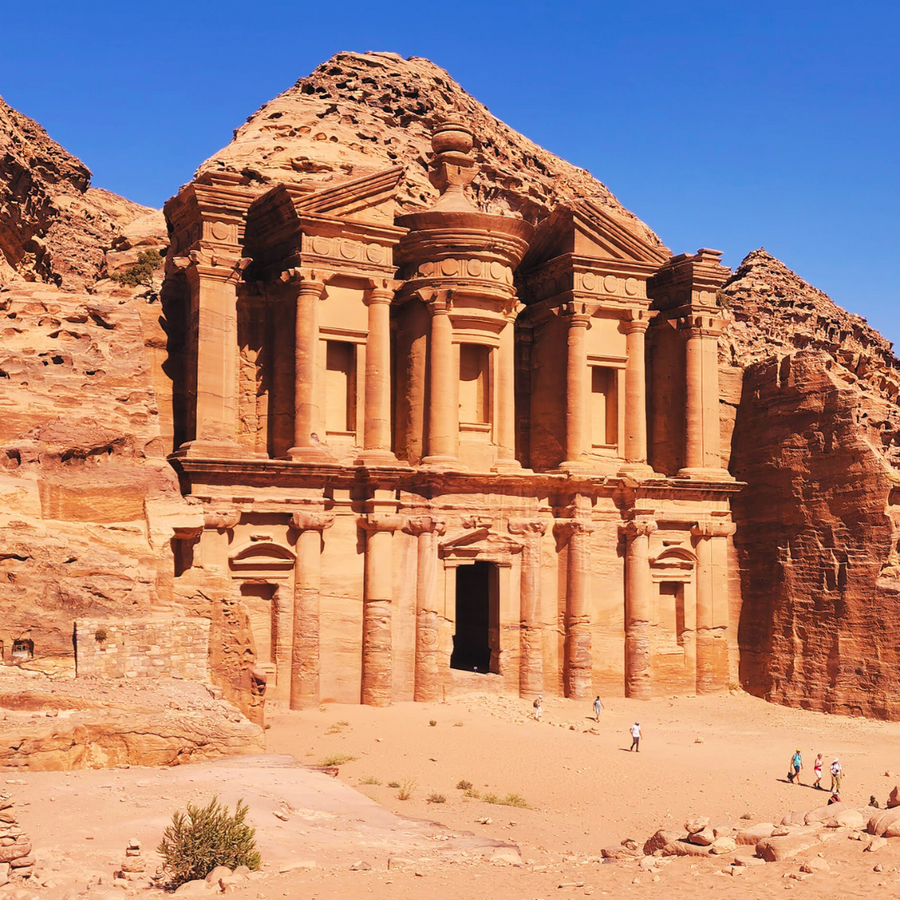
<point>701,442</point>
<point>307,416</point>
<point>282,639</point>
<point>638,607</point>
<point>443,403</point>
<point>506,394</point>
<point>636,390</point>
<point>307,581</point>
<point>577,388</point>
<point>712,605</point>
<point>578,664</point>
<point>428,684</point>
<point>531,631</point>
<point>213,280</point>
<point>377,427</point>
<point>376,650</point>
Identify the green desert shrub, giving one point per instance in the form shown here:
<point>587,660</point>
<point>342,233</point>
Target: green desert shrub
<point>206,837</point>
<point>140,273</point>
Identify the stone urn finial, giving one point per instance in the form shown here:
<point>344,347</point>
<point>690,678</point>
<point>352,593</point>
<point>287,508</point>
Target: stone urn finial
<point>452,166</point>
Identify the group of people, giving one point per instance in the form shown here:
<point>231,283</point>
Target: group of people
<point>796,767</point>
<point>635,729</point>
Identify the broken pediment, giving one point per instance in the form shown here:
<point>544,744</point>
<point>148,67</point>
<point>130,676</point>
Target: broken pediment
<point>586,230</point>
<point>480,543</point>
<point>369,199</point>
<point>261,560</point>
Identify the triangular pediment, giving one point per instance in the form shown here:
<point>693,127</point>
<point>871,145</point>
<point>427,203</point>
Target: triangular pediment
<point>369,199</point>
<point>584,229</point>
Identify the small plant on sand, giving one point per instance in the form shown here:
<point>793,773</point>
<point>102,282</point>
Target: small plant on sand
<point>100,635</point>
<point>432,722</point>
<point>516,800</point>
<point>472,793</point>
<point>337,728</point>
<point>435,798</point>
<point>394,784</point>
<point>406,789</point>
<point>463,785</point>
<point>206,837</point>
<point>335,759</point>
<point>370,779</point>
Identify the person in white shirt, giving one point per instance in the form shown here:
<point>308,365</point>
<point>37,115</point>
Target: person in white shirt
<point>836,771</point>
<point>636,737</point>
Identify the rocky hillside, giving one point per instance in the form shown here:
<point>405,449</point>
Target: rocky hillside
<point>361,112</point>
<point>54,227</point>
<point>816,439</point>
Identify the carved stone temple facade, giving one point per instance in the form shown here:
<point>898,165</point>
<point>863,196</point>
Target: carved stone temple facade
<point>447,442</point>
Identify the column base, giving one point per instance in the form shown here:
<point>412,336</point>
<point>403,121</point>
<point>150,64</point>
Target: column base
<point>579,466</point>
<point>202,449</point>
<point>640,470</point>
<point>704,474</point>
<point>308,454</point>
<point>373,458</point>
<point>511,466</point>
<point>443,462</point>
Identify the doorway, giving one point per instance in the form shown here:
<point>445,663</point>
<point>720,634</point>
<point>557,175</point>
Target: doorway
<point>476,612</point>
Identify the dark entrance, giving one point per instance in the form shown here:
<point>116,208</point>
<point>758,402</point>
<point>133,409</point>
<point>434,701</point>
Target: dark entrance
<point>471,643</point>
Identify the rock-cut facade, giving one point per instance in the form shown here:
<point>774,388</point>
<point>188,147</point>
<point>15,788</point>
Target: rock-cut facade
<point>447,447</point>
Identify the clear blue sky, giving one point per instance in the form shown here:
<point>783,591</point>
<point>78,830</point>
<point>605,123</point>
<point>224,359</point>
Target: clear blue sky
<point>726,125</point>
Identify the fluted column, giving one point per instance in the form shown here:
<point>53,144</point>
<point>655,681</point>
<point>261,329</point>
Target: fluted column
<point>213,279</point>
<point>307,582</point>
<point>635,448</point>
<point>578,664</point>
<point>377,419</point>
<point>428,683</point>
<point>307,416</point>
<point>638,607</point>
<point>531,631</point>
<point>377,672</point>
<point>712,604</point>
<point>577,388</point>
<point>506,394</point>
<point>443,402</point>
<point>702,426</point>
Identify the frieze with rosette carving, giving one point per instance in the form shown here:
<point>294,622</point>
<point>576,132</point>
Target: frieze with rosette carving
<point>492,271</point>
<point>614,285</point>
<point>347,251</point>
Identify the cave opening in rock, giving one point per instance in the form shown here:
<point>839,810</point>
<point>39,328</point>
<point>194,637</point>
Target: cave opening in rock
<point>476,606</point>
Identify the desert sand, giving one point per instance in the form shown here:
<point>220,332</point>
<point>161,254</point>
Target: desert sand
<point>722,756</point>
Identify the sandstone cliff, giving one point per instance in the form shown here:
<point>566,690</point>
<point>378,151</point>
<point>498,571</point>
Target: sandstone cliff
<point>54,227</point>
<point>358,113</point>
<point>816,440</point>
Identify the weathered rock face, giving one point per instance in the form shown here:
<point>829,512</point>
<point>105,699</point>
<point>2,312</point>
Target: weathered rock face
<point>54,227</point>
<point>359,113</point>
<point>815,439</point>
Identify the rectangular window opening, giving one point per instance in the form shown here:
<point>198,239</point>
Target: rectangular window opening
<point>604,407</point>
<point>340,387</point>
<point>474,384</point>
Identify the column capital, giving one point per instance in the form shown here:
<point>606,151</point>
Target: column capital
<point>221,519</point>
<point>567,528</point>
<point>636,321</point>
<point>215,265</point>
<point>528,527</point>
<point>639,526</point>
<point>307,281</point>
<point>700,325</point>
<point>417,525</point>
<point>311,520</point>
<point>438,302</point>
<point>375,522</point>
<point>187,532</point>
<point>380,290</point>
<point>576,312</point>
<point>709,528</point>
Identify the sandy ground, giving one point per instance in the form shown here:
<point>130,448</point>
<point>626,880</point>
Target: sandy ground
<point>723,756</point>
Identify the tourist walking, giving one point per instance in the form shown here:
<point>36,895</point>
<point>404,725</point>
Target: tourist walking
<point>817,768</point>
<point>598,707</point>
<point>537,707</point>
<point>836,771</point>
<point>795,767</point>
<point>635,737</point>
